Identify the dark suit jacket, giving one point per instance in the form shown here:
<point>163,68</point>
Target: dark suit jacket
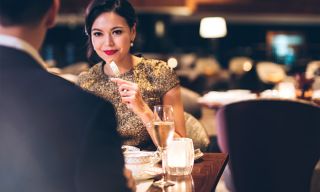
<point>54,136</point>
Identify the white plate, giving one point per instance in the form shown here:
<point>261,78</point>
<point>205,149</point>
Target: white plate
<point>157,157</point>
<point>147,173</point>
<point>126,148</point>
<point>197,154</point>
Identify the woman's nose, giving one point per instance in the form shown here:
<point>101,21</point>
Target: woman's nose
<point>109,40</point>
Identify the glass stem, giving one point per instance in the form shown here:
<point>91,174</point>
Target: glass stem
<point>164,157</point>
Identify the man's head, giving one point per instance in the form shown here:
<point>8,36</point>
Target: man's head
<point>23,12</point>
<point>28,19</point>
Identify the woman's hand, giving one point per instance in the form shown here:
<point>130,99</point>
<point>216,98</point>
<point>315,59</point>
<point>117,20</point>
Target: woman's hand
<point>131,96</point>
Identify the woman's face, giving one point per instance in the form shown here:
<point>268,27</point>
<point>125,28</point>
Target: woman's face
<point>111,37</point>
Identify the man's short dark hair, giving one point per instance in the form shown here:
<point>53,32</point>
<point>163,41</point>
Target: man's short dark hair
<point>17,12</point>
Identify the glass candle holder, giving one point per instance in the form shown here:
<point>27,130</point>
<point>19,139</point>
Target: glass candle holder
<point>180,157</point>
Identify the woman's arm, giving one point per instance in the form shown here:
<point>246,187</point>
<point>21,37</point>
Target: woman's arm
<point>173,98</point>
<point>131,96</point>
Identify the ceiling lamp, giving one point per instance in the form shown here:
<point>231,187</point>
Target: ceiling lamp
<point>213,27</point>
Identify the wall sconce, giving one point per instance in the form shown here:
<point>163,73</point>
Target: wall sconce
<point>213,27</point>
<point>160,28</point>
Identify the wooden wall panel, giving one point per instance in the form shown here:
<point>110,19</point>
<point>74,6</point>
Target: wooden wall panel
<point>73,6</point>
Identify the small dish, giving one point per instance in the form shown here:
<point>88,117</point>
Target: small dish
<point>147,173</point>
<point>126,148</point>
<point>138,157</point>
<point>141,163</point>
<point>197,154</point>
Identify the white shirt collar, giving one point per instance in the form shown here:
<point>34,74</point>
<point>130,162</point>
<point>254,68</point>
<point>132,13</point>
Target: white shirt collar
<point>17,43</point>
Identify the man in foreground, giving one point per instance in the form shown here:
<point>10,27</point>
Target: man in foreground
<point>53,136</point>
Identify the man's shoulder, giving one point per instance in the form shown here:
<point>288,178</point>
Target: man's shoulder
<point>71,93</point>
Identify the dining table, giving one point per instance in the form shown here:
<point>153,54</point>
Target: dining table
<point>205,175</point>
<point>217,99</point>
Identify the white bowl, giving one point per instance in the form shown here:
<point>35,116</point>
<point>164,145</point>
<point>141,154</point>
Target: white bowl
<point>139,161</point>
<point>139,157</point>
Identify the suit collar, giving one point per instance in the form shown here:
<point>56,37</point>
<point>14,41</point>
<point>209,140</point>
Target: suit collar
<point>19,44</point>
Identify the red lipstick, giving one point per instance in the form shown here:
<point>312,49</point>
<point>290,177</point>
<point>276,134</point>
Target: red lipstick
<point>110,52</point>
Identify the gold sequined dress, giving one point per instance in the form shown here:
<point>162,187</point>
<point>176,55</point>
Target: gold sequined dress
<point>154,78</point>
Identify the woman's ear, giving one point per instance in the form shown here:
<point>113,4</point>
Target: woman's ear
<point>133,32</point>
<point>52,13</point>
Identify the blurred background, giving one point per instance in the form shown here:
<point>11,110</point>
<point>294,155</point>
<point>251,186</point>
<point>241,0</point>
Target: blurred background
<point>214,45</point>
<point>223,56</point>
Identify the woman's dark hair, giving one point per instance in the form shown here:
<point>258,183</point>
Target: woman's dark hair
<point>121,7</point>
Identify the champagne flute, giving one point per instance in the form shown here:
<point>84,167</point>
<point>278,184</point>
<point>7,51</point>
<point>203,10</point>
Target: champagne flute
<point>163,134</point>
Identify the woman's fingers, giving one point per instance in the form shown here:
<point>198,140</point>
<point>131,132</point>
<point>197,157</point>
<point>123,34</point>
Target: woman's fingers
<point>121,81</point>
<point>129,93</point>
<point>127,90</point>
<point>126,93</point>
<point>132,102</point>
<point>125,87</point>
<point>128,99</point>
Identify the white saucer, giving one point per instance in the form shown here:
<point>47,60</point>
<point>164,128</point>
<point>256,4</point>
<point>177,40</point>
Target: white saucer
<point>147,173</point>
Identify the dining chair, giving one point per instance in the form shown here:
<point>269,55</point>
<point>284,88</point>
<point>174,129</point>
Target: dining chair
<point>270,73</point>
<point>312,69</point>
<point>273,145</point>
<point>240,65</point>
<point>197,132</point>
<point>190,102</point>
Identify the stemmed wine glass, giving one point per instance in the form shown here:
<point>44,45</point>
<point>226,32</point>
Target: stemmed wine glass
<point>163,134</point>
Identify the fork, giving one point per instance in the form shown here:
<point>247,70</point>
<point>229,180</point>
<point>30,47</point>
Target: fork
<point>114,69</point>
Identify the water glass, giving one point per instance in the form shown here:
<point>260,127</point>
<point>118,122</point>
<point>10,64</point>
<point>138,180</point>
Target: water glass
<point>180,157</point>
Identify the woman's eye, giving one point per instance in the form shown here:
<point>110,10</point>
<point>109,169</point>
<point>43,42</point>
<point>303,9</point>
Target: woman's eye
<point>96,34</point>
<point>117,32</point>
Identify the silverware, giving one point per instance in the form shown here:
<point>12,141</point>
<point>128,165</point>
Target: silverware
<point>114,69</point>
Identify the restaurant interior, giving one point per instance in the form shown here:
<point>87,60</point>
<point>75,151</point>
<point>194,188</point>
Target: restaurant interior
<point>222,51</point>
<point>255,31</point>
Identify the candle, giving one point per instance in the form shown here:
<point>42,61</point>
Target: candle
<point>177,155</point>
<point>180,157</point>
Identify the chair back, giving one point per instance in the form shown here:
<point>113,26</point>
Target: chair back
<point>312,69</point>
<point>240,65</point>
<point>269,72</point>
<point>273,144</point>
<point>190,102</point>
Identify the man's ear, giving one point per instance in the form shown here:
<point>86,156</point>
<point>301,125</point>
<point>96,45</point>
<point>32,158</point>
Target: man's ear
<point>52,13</point>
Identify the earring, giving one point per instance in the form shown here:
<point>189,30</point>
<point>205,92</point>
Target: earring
<point>131,44</point>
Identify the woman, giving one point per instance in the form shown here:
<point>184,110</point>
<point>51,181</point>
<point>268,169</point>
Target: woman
<point>142,83</point>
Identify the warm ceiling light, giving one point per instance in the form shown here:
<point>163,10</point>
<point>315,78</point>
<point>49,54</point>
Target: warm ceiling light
<point>213,27</point>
